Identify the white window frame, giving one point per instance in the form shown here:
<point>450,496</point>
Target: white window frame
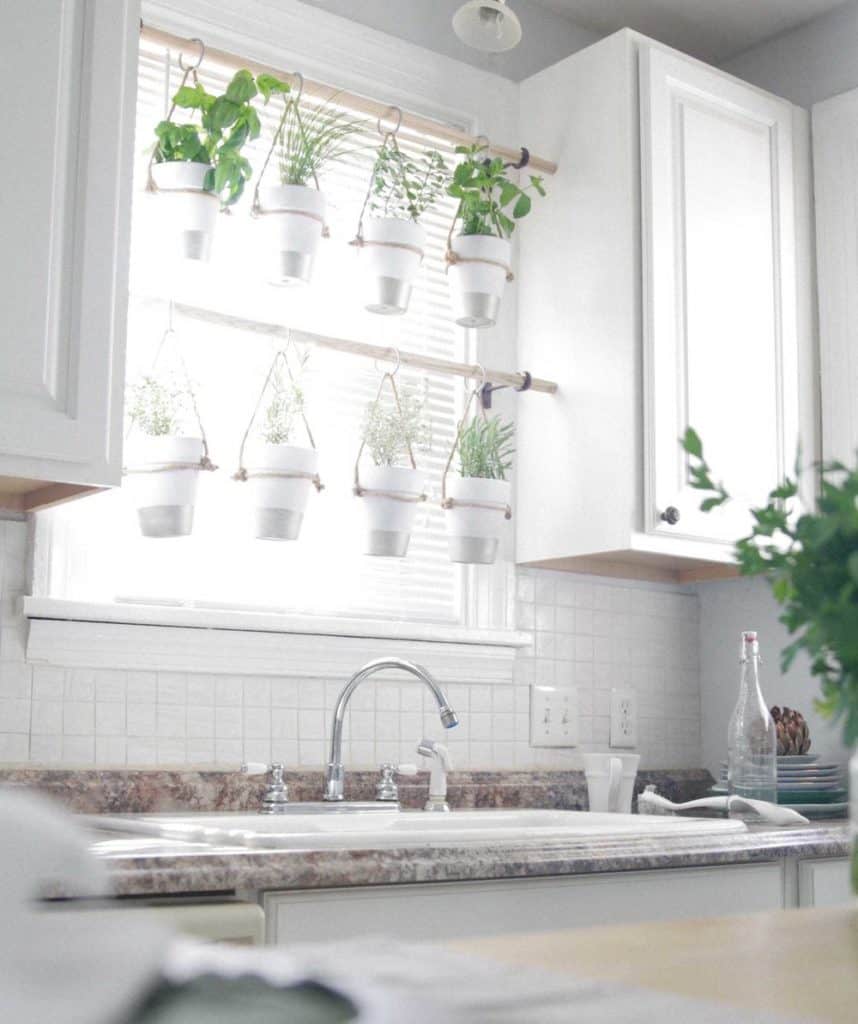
<point>330,49</point>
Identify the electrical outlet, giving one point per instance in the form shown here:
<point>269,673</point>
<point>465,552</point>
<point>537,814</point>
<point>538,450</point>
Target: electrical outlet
<point>624,718</point>
<point>553,716</point>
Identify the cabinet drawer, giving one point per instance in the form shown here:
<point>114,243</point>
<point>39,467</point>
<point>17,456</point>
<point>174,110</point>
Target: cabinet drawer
<point>450,910</point>
<point>824,883</point>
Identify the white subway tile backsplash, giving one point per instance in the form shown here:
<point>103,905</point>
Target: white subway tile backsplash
<point>141,687</point>
<point>140,720</point>
<point>79,718</point>
<point>109,718</point>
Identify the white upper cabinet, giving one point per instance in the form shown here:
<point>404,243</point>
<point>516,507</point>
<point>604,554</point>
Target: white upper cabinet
<point>68,77</point>
<point>659,288</point>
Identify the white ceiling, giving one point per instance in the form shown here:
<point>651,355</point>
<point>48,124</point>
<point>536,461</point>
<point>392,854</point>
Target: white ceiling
<point>713,30</point>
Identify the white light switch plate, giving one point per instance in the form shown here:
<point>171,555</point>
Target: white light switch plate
<point>553,716</point>
<point>624,718</point>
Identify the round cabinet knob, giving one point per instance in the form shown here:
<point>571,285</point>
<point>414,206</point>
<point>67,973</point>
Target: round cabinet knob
<point>670,515</point>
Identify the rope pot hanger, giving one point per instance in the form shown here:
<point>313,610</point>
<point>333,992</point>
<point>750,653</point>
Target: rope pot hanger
<point>290,103</point>
<point>388,142</point>
<point>447,502</point>
<point>189,71</point>
<point>205,462</point>
<point>388,378</point>
<point>242,474</point>
<point>451,257</point>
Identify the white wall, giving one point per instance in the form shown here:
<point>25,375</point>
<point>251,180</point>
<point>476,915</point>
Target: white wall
<point>809,64</point>
<point>546,37</point>
<point>726,608</point>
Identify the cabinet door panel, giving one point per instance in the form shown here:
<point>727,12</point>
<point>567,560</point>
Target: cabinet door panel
<point>719,292</point>
<point>65,210</point>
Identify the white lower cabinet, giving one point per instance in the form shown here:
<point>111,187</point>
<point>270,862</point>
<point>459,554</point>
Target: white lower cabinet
<point>443,911</point>
<point>824,883</point>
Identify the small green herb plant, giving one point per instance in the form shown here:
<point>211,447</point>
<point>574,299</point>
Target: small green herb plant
<point>388,431</point>
<point>486,448</point>
<point>405,188</point>
<point>309,139</point>
<point>485,194</point>
<point>227,123</point>
<point>811,563</point>
<point>284,409</point>
<point>158,407</point>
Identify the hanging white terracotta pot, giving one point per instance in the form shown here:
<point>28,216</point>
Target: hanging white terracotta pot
<point>391,255</point>
<point>279,478</point>
<point>295,215</point>
<point>390,496</point>
<point>189,210</point>
<point>475,518</point>
<point>162,475</point>
<point>478,272</point>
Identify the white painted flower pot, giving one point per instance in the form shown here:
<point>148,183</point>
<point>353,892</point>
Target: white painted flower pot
<point>164,497</point>
<point>391,259</point>
<point>478,286</point>
<point>295,217</point>
<point>279,502</point>
<point>473,534</point>
<point>389,521</point>
<point>189,210</point>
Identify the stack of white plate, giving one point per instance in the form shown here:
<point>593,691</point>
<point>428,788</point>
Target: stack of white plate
<point>810,786</point>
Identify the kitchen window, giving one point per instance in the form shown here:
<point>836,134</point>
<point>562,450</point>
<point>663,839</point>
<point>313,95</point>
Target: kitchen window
<point>97,553</point>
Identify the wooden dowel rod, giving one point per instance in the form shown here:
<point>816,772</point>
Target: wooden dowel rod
<point>361,348</point>
<point>412,124</point>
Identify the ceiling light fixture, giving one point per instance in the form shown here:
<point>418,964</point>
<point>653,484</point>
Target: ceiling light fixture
<point>487,25</point>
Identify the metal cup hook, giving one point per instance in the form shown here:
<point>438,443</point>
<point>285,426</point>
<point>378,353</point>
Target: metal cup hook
<point>193,67</point>
<point>395,370</point>
<point>483,377</point>
<point>300,79</point>
<point>396,114</point>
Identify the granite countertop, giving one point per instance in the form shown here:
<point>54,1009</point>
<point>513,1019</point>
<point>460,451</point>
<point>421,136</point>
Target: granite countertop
<point>141,866</point>
<point>159,867</point>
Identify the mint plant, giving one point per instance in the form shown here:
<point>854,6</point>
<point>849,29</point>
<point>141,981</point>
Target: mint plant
<point>489,202</point>
<point>227,123</point>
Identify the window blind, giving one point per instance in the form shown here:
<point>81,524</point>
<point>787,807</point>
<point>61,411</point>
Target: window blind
<point>221,565</point>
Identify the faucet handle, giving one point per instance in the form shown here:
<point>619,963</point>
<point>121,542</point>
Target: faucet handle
<point>386,789</point>
<point>276,798</point>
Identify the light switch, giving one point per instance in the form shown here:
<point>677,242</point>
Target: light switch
<point>553,716</point>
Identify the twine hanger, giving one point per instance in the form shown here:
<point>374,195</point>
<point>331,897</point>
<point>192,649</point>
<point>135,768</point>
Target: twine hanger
<point>388,377</point>
<point>242,473</point>
<point>256,207</point>
<point>388,141</point>
<point>448,503</point>
<point>190,71</point>
<point>205,462</point>
<point>451,257</point>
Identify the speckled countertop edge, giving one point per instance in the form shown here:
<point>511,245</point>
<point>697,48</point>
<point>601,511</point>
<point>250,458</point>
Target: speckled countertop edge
<point>228,869</point>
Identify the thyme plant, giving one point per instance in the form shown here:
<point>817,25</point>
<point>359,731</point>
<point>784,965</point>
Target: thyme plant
<point>285,407</point>
<point>388,431</point>
<point>227,123</point>
<point>158,408</point>
<point>486,448</point>
<point>810,561</point>
<point>405,188</point>
<point>485,193</point>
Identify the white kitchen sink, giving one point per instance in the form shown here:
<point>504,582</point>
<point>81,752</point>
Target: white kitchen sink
<point>393,828</point>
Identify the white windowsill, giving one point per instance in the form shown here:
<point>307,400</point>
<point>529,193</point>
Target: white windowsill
<point>268,622</point>
<point>72,634</point>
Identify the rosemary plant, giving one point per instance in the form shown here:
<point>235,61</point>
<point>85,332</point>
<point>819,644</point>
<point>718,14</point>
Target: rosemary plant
<point>486,448</point>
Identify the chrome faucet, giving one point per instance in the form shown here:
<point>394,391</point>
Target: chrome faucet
<point>336,771</point>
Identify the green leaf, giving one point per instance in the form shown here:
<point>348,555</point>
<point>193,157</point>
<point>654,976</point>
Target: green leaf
<point>692,444</point>
<point>190,97</point>
<point>242,88</point>
<point>709,503</point>
<point>269,86</point>
<point>522,206</point>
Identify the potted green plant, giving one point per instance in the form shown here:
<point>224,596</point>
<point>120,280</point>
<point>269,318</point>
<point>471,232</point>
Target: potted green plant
<point>479,257</point>
<point>390,488</point>
<point>162,459</point>
<point>811,563</point>
<point>306,141</point>
<point>477,502</point>
<point>280,473</point>
<point>200,168</point>
<point>393,238</point>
